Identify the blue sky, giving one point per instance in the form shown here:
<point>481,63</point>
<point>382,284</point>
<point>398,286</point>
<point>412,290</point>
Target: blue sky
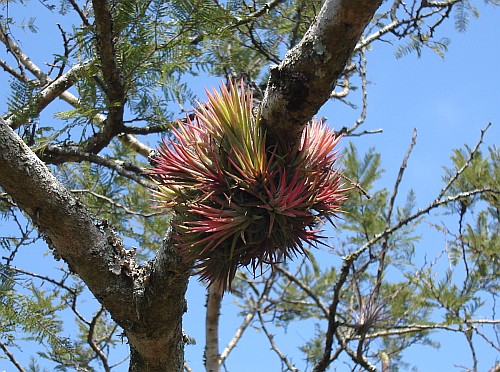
<point>448,101</point>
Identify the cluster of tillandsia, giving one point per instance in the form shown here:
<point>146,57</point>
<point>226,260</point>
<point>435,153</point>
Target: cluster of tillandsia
<point>238,201</point>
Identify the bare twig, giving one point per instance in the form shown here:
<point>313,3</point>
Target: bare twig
<point>364,89</point>
<point>468,336</point>
<point>400,177</point>
<point>21,58</point>
<point>364,132</point>
<point>396,23</point>
<point>356,185</point>
<point>58,283</point>
<point>80,13</point>
<point>58,154</point>
<point>90,340</point>
<point>390,208</point>
<point>243,21</point>
<point>305,288</point>
<point>11,71</point>
<point>255,306</point>
<point>11,357</point>
<point>274,347</point>
<point>114,203</point>
<point>466,164</point>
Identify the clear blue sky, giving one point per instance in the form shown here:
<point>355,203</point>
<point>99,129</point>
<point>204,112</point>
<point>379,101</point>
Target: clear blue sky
<point>449,101</point>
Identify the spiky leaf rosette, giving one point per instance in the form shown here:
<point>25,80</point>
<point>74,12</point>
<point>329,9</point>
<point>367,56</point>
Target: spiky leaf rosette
<point>238,202</point>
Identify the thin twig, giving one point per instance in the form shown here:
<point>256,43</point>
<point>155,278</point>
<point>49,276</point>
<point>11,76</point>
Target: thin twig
<point>91,342</point>
<point>11,357</point>
<point>385,243</point>
<point>59,283</point>
<point>305,288</point>
<point>466,164</point>
<point>57,154</point>
<point>256,305</point>
<point>364,89</point>
<point>114,203</point>
<point>356,185</point>
<point>274,347</point>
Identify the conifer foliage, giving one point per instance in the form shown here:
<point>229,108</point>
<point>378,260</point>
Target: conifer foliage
<point>95,276</point>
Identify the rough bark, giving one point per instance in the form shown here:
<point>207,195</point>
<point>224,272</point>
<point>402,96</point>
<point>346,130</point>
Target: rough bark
<point>146,300</point>
<point>304,80</point>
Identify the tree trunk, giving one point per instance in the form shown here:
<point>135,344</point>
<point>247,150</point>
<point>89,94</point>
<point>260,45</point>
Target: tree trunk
<point>147,300</point>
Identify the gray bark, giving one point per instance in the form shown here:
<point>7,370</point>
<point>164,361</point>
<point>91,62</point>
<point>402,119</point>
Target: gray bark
<point>304,80</point>
<point>147,301</point>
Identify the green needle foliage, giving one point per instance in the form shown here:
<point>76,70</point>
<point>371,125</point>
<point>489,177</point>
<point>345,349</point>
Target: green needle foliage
<point>243,215</point>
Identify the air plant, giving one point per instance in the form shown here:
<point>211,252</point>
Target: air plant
<point>238,201</point>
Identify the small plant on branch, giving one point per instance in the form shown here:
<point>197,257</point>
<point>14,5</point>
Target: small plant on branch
<point>240,202</point>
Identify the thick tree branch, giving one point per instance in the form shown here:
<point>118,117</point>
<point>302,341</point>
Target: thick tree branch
<point>305,79</point>
<point>135,295</point>
<point>85,244</point>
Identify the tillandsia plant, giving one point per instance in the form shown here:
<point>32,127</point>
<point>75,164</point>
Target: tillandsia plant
<point>238,201</point>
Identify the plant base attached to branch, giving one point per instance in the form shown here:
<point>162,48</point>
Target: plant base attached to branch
<point>238,202</point>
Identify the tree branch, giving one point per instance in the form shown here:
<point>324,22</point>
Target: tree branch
<point>305,288</point>
<point>467,163</point>
<point>115,87</point>
<point>58,88</point>
<point>212,357</point>
<point>62,154</point>
<point>274,347</point>
<point>86,245</point>
<point>305,79</point>
<point>254,306</point>
<point>22,59</point>
<point>11,357</point>
<point>116,204</point>
<point>90,340</point>
<point>135,295</point>
<point>349,260</point>
<point>48,94</point>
